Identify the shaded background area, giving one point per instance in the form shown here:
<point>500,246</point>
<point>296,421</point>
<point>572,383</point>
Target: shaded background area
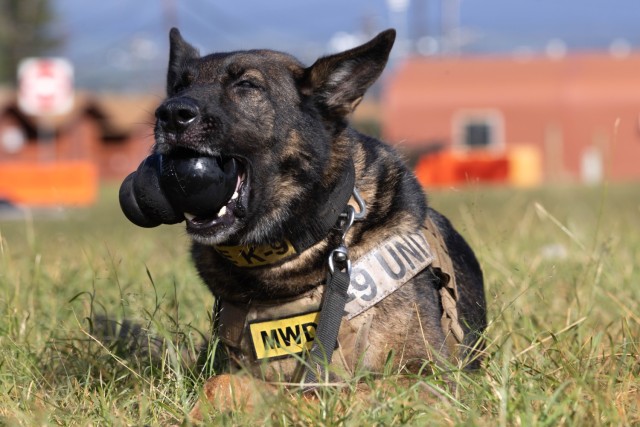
<point>495,92</point>
<point>123,35</point>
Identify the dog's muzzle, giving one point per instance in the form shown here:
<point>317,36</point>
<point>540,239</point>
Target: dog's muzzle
<point>177,114</point>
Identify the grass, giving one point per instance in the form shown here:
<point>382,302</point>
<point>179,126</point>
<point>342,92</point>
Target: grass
<point>562,282</point>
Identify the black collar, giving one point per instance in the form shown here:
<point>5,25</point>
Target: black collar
<point>301,233</point>
<point>306,232</point>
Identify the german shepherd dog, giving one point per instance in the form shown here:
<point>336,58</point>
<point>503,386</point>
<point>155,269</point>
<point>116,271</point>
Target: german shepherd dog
<point>268,248</point>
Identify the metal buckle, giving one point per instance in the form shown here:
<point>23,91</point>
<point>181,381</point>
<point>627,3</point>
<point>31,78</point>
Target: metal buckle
<point>362,206</point>
<point>340,255</point>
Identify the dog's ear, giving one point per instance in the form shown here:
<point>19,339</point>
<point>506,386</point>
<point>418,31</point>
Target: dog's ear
<point>179,53</point>
<point>340,81</point>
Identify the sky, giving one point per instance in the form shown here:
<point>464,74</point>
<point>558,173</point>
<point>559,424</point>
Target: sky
<point>122,44</point>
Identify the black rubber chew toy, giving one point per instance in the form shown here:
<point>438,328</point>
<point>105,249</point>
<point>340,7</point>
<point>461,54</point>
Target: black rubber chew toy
<point>165,187</point>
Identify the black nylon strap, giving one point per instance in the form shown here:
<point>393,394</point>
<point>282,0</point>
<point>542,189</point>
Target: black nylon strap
<point>335,299</point>
<point>306,233</point>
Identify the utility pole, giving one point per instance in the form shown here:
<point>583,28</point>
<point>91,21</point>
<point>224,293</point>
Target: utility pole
<point>398,16</point>
<point>420,22</point>
<point>450,25</point>
<point>170,12</point>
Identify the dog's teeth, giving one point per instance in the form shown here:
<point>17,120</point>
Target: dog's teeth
<point>222,211</point>
<point>189,216</point>
<point>235,195</point>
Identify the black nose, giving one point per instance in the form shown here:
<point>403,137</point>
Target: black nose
<point>177,114</point>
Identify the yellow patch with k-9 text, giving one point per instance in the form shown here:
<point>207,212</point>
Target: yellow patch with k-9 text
<point>257,256</point>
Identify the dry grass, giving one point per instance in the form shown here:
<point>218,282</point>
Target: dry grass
<point>561,267</point>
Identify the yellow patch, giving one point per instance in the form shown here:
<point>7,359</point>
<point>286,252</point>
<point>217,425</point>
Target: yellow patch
<point>256,256</point>
<point>284,337</point>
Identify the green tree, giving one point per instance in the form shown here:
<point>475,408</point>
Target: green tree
<point>25,30</point>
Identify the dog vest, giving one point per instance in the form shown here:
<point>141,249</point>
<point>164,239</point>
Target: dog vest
<point>272,337</point>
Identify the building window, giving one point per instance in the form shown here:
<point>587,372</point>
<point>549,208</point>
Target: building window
<point>477,134</point>
<point>478,129</point>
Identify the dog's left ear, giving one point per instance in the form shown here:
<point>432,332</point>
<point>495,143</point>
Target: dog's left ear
<point>179,53</point>
<point>340,81</point>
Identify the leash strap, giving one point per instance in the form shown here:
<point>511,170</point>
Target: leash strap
<point>333,304</point>
<point>335,299</point>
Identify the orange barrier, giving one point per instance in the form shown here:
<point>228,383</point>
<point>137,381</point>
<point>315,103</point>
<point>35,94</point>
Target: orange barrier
<point>49,184</point>
<point>448,168</point>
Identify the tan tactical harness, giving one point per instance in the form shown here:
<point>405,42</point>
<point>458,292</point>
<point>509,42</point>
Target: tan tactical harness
<point>276,330</point>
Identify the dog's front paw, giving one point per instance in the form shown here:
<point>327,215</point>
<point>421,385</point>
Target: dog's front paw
<point>228,392</point>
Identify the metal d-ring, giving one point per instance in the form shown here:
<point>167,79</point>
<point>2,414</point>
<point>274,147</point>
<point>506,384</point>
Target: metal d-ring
<point>340,256</point>
<point>362,206</point>
<point>348,220</point>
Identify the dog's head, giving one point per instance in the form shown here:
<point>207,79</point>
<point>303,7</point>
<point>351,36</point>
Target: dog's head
<point>282,121</point>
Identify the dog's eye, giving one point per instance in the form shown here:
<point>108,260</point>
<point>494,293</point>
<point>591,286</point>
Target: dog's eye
<point>184,81</point>
<point>246,84</point>
<point>179,87</point>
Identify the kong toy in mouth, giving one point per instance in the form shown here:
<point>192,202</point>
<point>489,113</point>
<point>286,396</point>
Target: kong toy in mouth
<point>166,189</point>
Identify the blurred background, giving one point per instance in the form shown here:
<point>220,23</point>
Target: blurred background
<point>503,92</point>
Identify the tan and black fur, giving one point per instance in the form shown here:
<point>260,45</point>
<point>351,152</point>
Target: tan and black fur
<point>288,124</point>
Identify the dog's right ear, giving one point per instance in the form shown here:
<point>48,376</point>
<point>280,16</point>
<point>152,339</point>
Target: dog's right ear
<point>179,53</point>
<point>339,81</point>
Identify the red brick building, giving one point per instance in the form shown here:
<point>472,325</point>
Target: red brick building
<point>575,118</point>
<point>113,132</point>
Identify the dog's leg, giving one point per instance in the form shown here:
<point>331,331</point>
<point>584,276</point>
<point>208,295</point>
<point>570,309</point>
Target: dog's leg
<point>230,392</point>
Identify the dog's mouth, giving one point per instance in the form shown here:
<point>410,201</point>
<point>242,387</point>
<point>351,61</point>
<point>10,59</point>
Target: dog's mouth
<point>235,208</point>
